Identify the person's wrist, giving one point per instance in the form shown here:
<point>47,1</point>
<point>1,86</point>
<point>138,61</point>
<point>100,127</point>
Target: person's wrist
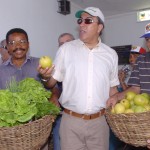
<point>45,79</point>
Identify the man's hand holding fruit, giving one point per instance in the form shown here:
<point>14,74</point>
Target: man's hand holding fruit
<point>45,70</point>
<point>45,67</point>
<point>121,95</point>
<point>112,101</point>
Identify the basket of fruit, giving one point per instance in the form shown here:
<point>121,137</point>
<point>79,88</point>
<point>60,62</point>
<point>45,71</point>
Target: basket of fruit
<point>130,119</point>
<point>26,115</point>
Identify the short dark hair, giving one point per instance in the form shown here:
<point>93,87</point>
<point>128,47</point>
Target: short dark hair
<point>16,30</point>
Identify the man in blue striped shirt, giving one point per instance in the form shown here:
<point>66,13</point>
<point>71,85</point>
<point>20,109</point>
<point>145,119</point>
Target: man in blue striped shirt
<point>139,80</point>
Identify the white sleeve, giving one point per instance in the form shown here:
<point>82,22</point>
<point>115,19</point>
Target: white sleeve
<point>58,73</point>
<point>114,73</point>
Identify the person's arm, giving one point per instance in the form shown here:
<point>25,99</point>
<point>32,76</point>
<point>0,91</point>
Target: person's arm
<point>122,76</point>
<point>113,90</point>
<point>55,96</point>
<point>118,96</point>
<point>51,75</point>
<point>46,76</point>
<point>123,85</point>
<point>49,82</point>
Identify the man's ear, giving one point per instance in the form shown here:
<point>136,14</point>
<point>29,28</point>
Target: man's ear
<point>100,28</point>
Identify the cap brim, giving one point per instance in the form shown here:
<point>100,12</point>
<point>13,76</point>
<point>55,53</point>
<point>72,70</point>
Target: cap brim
<point>78,13</point>
<point>145,35</point>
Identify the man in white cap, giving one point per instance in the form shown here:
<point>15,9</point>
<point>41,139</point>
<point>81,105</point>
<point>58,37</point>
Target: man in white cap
<point>147,36</point>
<point>88,70</point>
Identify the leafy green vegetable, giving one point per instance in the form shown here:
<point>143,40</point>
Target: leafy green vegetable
<point>46,108</point>
<point>24,101</point>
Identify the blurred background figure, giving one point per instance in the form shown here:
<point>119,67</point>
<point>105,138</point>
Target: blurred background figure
<point>65,37</point>
<point>3,52</point>
<point>125,71</point>
<point>147,36</point>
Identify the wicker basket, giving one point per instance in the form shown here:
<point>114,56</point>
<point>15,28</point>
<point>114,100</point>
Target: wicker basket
<point>133,128</point>
<point>30,136</point>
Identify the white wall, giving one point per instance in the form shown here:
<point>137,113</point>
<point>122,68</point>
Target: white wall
<point>124,30</point>
<point>39,18</point>
<point>43,25</point>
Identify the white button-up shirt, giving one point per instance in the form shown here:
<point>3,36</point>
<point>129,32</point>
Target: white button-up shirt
<point>87,75</point>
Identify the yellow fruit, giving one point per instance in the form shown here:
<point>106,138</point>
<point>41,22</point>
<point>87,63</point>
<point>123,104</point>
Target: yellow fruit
<point>140,100</point>
<point>127,111</point>
<point>131,103</point>
<point>147,107</point>
<point>45,61</point>
<point>133,107</point>
<point>139,109</point>
<point>126,103</point>
<point>130,95</point>
<point>146,95</point>
<point>119,108</point>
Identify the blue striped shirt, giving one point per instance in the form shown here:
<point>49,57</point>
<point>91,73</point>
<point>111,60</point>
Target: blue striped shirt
<point>140,75</point>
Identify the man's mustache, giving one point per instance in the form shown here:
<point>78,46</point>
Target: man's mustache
<point>18,49</point>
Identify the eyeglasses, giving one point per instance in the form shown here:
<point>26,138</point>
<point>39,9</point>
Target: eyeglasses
<point>21,42</point>
<point>86,21</point>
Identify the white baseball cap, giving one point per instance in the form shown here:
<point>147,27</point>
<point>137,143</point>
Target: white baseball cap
<point>147,31</point>
<point>93,11</point>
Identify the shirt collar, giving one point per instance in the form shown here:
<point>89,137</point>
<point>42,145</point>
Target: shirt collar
<point>9,61</point>
<point>99,39</point>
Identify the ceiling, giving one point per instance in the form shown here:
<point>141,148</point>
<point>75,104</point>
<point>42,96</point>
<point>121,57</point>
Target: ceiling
<point>114,7</point>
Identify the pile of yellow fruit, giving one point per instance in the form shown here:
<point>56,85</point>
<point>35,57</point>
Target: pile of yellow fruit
<point>132,103</point>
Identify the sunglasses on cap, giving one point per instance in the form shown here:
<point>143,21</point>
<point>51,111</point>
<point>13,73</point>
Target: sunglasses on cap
<point>86,21</point>
<point>134,53</point>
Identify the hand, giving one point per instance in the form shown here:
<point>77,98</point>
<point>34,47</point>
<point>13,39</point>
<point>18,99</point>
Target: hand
<point>45,73</point>
<point>121,75</point>
<point>148,143</point>
<point>112,101</point>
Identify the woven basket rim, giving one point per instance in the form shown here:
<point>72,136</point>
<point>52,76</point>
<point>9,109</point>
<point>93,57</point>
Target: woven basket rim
<point>27,136</point>
<point>29,123</point>
<point>131,128</point>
